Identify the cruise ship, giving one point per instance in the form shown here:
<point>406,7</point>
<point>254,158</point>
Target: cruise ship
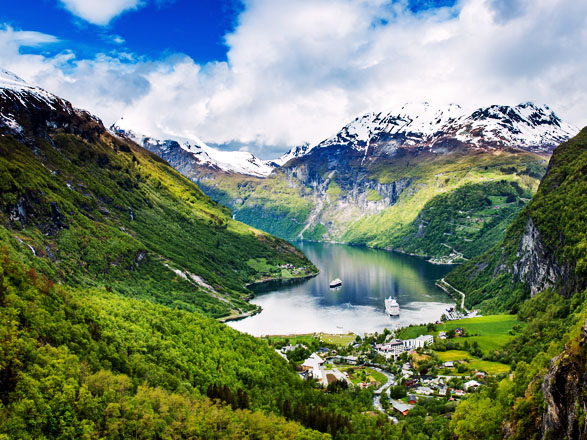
<point>391,306</point>
<point>335,283</point>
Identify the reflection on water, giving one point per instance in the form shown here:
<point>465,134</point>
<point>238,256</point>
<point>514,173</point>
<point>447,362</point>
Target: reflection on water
<point>368,277</point>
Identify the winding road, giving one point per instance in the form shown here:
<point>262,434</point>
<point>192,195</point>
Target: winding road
<point>443,281</point>
<point>381,389</point>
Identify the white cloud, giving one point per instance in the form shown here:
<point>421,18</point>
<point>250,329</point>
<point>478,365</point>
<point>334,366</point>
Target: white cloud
<point>298,71</point>
<point>99,12</point>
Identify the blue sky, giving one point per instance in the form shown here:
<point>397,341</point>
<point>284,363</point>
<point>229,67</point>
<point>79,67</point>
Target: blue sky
<point>266,75</point>
<point>196,28</point>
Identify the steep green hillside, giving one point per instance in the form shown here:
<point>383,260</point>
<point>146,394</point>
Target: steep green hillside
<point>98,211</point>
<point>87,363</point>
<point>545,246</point>
<point>543,258</point>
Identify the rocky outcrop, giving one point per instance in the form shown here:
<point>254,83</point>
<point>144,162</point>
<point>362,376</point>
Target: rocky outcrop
<point>537,266</point>
<point>565,413</point>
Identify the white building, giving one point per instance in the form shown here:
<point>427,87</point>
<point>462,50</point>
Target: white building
<point>471,384</point>
<point>420,341</point>
<point>391,348</point>
<point>424,390</point>
<point>314,365</point>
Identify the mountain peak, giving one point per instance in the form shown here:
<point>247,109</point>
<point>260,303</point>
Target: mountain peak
<point>526,126</point>
<point>241,162</point>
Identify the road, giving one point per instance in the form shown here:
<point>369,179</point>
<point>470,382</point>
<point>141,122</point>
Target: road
<point>381,389</point>
<point>443,281</point>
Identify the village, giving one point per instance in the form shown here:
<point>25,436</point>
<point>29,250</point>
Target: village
<point>401,373</point>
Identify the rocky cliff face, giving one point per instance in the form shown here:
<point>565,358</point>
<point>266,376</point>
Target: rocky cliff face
<point>565,412</point>
<point>536,266</point>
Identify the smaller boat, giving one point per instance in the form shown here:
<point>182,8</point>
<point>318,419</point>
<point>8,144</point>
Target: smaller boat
<point>335,283</point>
<point>391,306</point>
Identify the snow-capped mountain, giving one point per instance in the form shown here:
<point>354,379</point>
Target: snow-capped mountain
<point>240,162</point>
<point>295,152</point>
<point>525,127</point>
<point>17,97</point>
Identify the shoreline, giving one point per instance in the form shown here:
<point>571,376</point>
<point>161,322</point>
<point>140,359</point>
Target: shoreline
<point>259,309</point>
<point>269,280</point>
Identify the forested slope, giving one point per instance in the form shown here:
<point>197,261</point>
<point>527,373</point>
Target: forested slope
<point>539,271</point>
<point>90,209</point>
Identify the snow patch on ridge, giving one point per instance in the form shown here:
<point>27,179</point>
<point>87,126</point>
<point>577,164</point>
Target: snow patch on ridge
<point>241,162</point>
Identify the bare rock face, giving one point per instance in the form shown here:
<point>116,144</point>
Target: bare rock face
<point>565,394</point>
<point>535,265</point>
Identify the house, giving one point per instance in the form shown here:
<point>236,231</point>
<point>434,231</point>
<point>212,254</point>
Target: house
<point>424,390</point>
<point>442,391</point>
<point>458,331</point>
<point>442,335</point>
<point>459,393</point>
<point>314,365</point>
<point>290,347</point>
<point>402,408</point>
<point>480,375</point>
<point>412,399</point>
<point>448,364</point>
<point>471,384</point>
<point>411,383</point>
<point>322,350</point>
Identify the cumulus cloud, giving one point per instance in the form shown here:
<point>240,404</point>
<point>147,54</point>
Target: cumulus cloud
<point>298,71</point>
<point>99,12</point>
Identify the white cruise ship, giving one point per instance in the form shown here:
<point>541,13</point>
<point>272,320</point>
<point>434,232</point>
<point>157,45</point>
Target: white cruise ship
<point>391,306</point>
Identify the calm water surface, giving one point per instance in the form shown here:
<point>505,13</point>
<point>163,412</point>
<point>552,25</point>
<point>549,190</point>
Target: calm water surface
<point>368,277</point>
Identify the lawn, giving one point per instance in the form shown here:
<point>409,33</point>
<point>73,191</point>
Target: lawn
<point>342,340</point>
<point>355,375</point>
<point>452,355</point>
<point>488,367</point>
<point>472,362</point>
<point>412,332</point>
<point>491,332</point>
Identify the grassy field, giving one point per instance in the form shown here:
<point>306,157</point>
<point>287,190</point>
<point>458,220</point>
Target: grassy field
<point>491,332</point>
<point>327,338</point>
<point>355,375</point>
<point>472,362</point>
<point>342,340</point>
<point>452,355</point>
<point>488,367</point>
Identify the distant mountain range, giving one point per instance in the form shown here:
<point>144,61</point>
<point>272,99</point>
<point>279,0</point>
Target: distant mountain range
<point>526,127</point>
<point>375,180</point>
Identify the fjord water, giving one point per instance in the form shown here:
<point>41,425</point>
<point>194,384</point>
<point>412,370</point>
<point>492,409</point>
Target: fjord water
<point>368,277</point>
